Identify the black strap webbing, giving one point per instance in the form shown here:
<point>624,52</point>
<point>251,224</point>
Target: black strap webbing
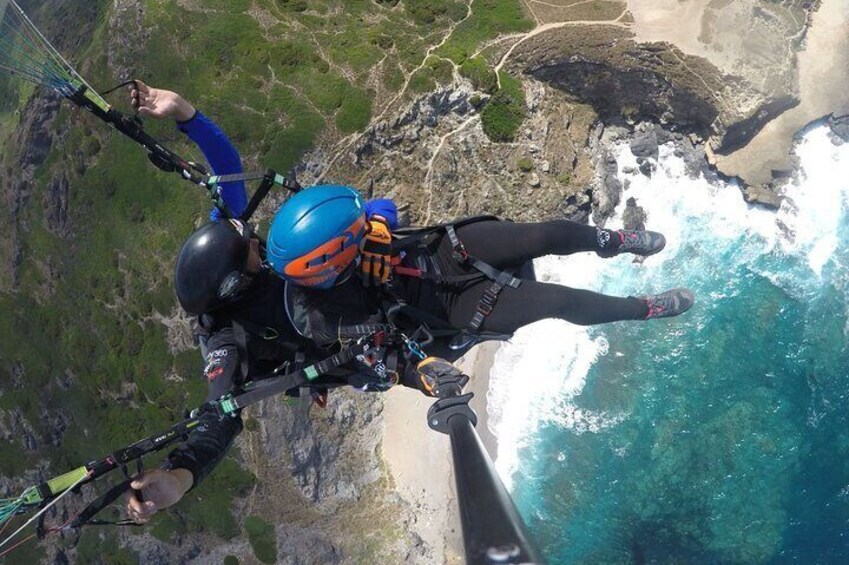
<point>85,517</point>
<point>242,347</point>
<point>499,279</point>
<point>267,388</point>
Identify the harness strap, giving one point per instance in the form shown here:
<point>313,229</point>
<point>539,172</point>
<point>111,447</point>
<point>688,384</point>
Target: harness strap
<point>499,279</point>
<point>429,269</point>
<point>271,387</point>
<point>85,518</point>
<point>488,299</point>
<point>285,181</point>
<point>460,253</point>
<point>242,347</point>
<point>361,330</point>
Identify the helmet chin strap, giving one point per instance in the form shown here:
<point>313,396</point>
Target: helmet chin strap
<point>346,274</point>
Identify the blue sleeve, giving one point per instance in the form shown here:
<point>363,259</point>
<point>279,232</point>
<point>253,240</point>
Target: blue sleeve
<point>222,157</point>
<point>383,207</point>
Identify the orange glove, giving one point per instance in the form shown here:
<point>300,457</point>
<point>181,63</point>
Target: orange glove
<point>436,374</point>
<point>376,253</point>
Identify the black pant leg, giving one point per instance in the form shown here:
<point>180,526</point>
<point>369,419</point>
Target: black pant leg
<point>508,244</point>
<point>534,301</point>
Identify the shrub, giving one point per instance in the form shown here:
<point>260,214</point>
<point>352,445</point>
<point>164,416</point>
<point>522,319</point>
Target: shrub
<point>482,76</point>
<point>503,115</point>
<point>263,539</point>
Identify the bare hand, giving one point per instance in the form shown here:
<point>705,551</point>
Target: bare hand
<point>159,103</point>
<point>160,489</point>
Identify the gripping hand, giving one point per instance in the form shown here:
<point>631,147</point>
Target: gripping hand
<point>376,253</point>
<point>160,489</point>
<point>436,375</point>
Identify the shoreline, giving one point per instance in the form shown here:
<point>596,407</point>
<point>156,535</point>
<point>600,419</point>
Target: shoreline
<point>418,459</point>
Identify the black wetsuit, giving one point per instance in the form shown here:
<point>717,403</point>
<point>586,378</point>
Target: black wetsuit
<point>261,311</point>
<point>261,339</point>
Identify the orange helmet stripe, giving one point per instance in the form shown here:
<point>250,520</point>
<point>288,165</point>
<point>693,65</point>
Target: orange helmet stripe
<point>330,258</point>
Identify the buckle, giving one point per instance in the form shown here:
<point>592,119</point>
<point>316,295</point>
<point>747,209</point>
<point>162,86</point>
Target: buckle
<point>489,297</point>
<point>484,308</point>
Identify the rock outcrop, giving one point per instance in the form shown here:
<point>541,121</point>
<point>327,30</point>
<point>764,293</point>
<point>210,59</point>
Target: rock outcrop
<point>33,140</point>
<point>625,81</point>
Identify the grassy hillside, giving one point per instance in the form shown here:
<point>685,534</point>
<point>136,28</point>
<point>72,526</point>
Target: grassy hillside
<point>83,352</point>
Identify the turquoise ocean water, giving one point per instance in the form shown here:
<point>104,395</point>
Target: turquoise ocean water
<point>721,436</point>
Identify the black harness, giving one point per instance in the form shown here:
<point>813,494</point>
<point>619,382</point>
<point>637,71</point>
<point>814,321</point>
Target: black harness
<point>415,244</point>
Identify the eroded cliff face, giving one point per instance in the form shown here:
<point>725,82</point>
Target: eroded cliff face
<point>725,70</point>
<point>822,75</point>
<point>32,141</point>
<point>435,159</point>
<point>625,81</point>
<point>753,43</point>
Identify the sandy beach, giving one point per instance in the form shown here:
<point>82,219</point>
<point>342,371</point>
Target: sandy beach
<point>419,459</point>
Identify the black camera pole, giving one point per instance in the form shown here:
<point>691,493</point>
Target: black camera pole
<point>493,531</point>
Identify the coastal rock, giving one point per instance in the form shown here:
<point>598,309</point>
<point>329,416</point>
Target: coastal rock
<point>17,372</point>
<point>644,144</point>
<point>294,438</point>
<point>14,427</point>
<point>763,195</point>
<point>608,190</point>
<point>578,207</point>
<point>634,217</point>
<point>299,546</point>
<point>36,135</point>
<point>405,131</point>
<point>32,141</point>
<point>453,169</point>
<point>840,127</point>
<point>646,167</point>
<point>56,423</point>
<point>150,550</point>
<point>623,80</point>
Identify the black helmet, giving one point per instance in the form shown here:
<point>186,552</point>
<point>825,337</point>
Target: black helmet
<point>211,265</point>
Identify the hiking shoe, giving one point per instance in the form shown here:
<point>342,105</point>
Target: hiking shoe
<point>669,303</point>
<point>638,242</point>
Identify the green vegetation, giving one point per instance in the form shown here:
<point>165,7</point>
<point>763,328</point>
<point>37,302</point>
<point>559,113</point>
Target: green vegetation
<point>427,12</point>
<point>422,81</point>
<point>480,73</point>
<point>489,19</point>
<point>93,541</point>
<point>263,539</point>
<point>525,164</point>
<point>207,508</point>
<point>565,178</point>
<point>442,70</point>
<point>505,111</point>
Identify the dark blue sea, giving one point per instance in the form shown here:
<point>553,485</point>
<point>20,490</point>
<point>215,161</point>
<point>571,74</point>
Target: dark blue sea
<point>721,436</point>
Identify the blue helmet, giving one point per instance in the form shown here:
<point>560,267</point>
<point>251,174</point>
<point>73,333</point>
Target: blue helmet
<point>316,234</point>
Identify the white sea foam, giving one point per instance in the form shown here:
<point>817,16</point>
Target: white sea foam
<point>710,230</point>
